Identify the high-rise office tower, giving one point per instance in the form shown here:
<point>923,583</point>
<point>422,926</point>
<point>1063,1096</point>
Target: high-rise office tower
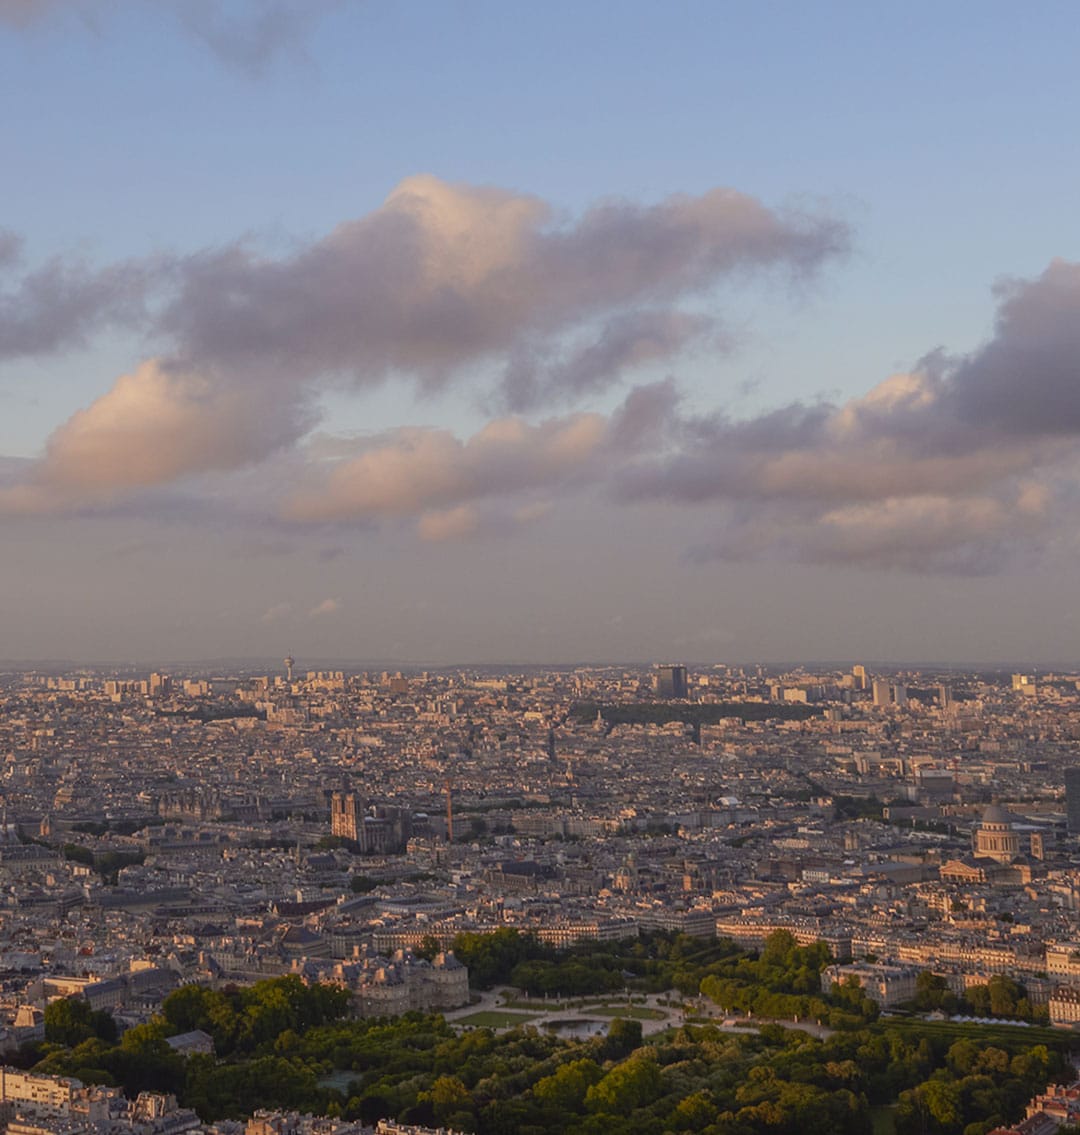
<point>862,679</point>
<point>670,681</point>
<point>1025,684</point>
<point>1072,800</point>
<point>882,692</point>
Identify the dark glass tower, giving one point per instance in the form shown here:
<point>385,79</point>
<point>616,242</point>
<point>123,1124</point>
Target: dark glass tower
<point>671,682</point>
<point>1072,799</point>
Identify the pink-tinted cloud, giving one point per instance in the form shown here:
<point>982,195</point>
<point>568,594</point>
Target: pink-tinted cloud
<point>953,466</point>
<point>449,524</point>
<point>411,471</point>
<point>432,283</point>
<point>442,276</point>
<point>323,609</point>
<point>155,426</point>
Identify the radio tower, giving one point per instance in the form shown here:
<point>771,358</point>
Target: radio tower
<point>288,667</point>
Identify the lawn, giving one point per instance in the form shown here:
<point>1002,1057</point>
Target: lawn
<point>637,1012</point>
<point>1002,1035</point>
<point>537,1005</point>
<point>496,1019</point>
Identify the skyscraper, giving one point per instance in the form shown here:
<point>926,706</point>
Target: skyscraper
<point>670,681</point>
<point>882,688</point>
<point>1072,800</point>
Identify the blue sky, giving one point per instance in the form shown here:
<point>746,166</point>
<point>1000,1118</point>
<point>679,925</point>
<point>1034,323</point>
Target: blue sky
<point>938,137</point>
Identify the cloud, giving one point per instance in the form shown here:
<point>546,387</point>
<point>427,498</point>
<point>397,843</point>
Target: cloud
<point>450,524</point>
<point>326,607</point>
<point>1026,379</point>
<point>63,303</point>
<point>626,341</point>
<point>974,535</point>
<point>509,474</point>
<point>248,35</point>
<point>11,246</point>
<point>964,465</point>
<point>277,613</point>
<point>426,288</point>
<point>155,425</point>
<point>252,35</point>
<point>444,276</point>
<point>492,518</point>
<point>412,471</point>
<point>532,512</point>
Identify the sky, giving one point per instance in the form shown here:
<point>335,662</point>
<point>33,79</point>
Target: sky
<point>477,331</point>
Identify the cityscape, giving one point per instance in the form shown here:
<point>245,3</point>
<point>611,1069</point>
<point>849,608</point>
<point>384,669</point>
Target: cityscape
<point>538,567</point>
<point>358,830</point>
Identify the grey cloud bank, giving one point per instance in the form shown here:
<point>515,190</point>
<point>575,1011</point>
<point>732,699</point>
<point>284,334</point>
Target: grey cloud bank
<point>62,304</point>
<point>965,465</point>
<point>962,466</point>
<point>435,282</point>
<point>442,276</point>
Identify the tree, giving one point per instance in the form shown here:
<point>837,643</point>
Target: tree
<point>628,1086</point>
<point>962,1056</point>
<point>564,1090</point>
<point>1005,994</point>
<point>623,1037</point>
<point>491,958</point>
<point>932,992</point>
<point>449,1099</point>
<point>187,1008</point>
<point>68,1021</point>
<point>779,948</point>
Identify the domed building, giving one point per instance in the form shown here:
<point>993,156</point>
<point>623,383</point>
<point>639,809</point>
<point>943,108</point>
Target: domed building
<point>996,859</point>
<point>996,837</point>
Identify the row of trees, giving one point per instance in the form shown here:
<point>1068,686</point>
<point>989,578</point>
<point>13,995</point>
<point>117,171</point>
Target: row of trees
<point>784,982</point>
<point>652,963</point>
<point>1001,997</point>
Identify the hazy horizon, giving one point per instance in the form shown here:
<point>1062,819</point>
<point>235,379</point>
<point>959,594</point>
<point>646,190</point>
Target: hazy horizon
<point>358,665</point>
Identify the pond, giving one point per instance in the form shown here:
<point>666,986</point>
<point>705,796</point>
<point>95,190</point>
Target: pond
<point>578,1027</point>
